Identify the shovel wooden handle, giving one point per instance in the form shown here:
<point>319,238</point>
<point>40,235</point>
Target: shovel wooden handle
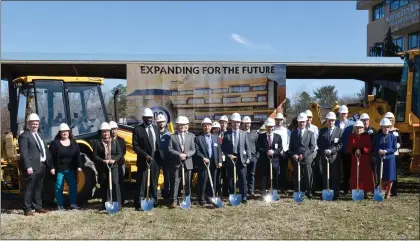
<point>271,174</point>
<point>148,182</point>
<point>328,174</point>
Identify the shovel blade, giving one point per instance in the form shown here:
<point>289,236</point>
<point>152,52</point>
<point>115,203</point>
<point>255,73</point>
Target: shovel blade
<point>327,195</point>
<point>186,203</point>
<point>111,208</point>
<point>379,195</point>
<point>298,196</point>
<point>235,199</point>
<point>272,197</point>
<point>147,204</point>
<point>357,195</point>
<point>217,202</point>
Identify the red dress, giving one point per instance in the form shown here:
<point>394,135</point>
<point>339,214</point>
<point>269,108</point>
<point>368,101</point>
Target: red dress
<point>366,178</point>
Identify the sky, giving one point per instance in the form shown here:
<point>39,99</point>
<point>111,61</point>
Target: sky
<point>282,31</point>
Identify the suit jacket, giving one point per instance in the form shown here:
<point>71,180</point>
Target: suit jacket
<point>99,152</point>
<point>55,155</point>
<point>333,143</point>
<point>123,147</point>
<point>244,150</point>
<point>304,145</point>
<point>348,129</point>
<point>143,147</point>
<point>253,138</point>
<point>262,148</point>
<point>174,150</point>
<point>202,151</point>
<point>30,153</point>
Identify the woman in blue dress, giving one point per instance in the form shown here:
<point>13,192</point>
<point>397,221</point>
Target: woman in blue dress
<point>385,146</point>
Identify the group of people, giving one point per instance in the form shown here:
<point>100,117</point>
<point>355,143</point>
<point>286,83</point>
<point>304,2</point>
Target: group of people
<point>356,145</point>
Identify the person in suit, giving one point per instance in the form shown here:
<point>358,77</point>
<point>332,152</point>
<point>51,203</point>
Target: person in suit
<point>371,131</point>
<point>181,149</point>
<point>121,162</point>
<point>146,144</point>
<point>330,144</point>
<point>386,146</point>
<point>316,173</point>
<point>165,136</point>
<point>222,177</point>
<point>208,152</point>
<point>66,163</point>
<point>301,148</point>
<point>252,166</point>
<point>347,126</point>
<point>235,146</point>
<point>269,145</point>
<point>107,152</point>
<point>284,157</point>
<point>35,161</point>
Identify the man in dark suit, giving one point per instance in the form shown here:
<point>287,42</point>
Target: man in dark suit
<point>181,149</point>
<point>35,160</point>
<point>222,179</point>
<point>235,146</point>
<point>251,167</point>
<point>208,152</point>
<point>330,145</point>
<point>269,145</point>
<point>302,146</point>
<point>146,144</point>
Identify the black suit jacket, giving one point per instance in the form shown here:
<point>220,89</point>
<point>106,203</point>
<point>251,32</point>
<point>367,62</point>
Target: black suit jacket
<point>143,147</point>
<point>99,152</point>
<point>30,153</point>
<point>304,145</point>
<point>253,138</point>
<point>262,148</point>
<point>244,151</point>
<point>334,143</point>
<point>201,151</point>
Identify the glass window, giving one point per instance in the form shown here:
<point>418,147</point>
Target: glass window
<point>220,90</point>
<point>399,42</point>
<point>259,88</point>
<point>174,92</point>
<point>260,117</point>
<point>401,102</point>
<point>50,107</point>
<point>415,103</point>
<point>378,11</point>
<point>414,40</point>
<point>248,99</point>
<point>262,98</point>
<point>86,108</point>
<point>213,101</point>
<point>202,91</point>
<point>240,89</point>
<point>24,94</point>
<point>395,4</point>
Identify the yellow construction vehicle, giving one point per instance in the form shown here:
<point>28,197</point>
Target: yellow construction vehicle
<point>401,98</point>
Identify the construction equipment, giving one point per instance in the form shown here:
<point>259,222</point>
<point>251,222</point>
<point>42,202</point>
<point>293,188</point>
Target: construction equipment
<point>401,97</point>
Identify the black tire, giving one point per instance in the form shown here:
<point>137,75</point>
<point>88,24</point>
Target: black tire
<point>91,179</point>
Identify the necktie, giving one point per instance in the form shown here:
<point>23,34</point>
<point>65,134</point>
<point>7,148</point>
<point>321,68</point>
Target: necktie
<point>182,142</point>
<point>209,146</point>
<point>39,145</point>
<point>331,131</point>
<point>151,139</point>
<point>270,141</point>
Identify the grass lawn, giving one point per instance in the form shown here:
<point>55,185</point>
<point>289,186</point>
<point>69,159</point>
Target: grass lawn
<point>397,218</point>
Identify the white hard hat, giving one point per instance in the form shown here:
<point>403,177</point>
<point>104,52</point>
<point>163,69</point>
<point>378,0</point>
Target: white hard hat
<point>223,118</point>
<point>160,118</point>
<point>235,117</point>
<point>206,121</point>
<point>269,122</point>
<point>331,116</point>
<point>385,122</point>
<point>279,116</point>
<point>308,113</point>
<point>215,125</point>
<point>64,127</point>
<point>104,126</point>
<point>147,112</point>
<point>246,119</point>
<point>113,125</point>
<point>359,124</point>
<point>33,117</point>
<point>262,129</point>
<point>302,117</point>
<point>389,115</point>
<point>182,120</point>
<point>343,109</point>
<point>364,116</point>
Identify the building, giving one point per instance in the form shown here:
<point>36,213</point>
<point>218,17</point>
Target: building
<point>402,16</point>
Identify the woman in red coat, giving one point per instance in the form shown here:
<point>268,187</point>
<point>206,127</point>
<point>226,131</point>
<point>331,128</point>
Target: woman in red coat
<point>360,145</point>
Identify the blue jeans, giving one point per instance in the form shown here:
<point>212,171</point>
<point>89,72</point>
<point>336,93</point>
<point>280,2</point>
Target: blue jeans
<point>70,177</point>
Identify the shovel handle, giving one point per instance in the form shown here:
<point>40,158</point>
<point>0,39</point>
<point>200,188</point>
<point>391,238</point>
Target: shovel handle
<point>110,184</point>
<point>210,178</point>
<point>234,178</point>
<point>381,173</point>
<point>328,174</point>
<point>271,174</point>
<point>358,164</point>
<point>148,182</point>
<point>298,176</point>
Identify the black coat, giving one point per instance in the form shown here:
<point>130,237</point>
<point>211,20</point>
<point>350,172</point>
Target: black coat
<point>55,155</point>
<point>143,147</point>
<point>30,153</point>
<point>99,152</point>
<point>262,148</point>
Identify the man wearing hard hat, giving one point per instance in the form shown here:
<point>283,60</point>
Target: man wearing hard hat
<point>165,136</point>
<point>252,165</point>
<point>235,146</point>
<point>223,121</point>
<point>330,145</point>
<point>301,148</point>
<point>315,163</point>
<point>347,126</point>
<point>181,149</point>
<point>121,162</point>
<point>35,161</point>
<point>146,144</point>
<point>209,153</point>
<point>222,177</point>
<point>284,159</point>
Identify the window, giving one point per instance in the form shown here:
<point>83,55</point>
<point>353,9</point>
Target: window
<point>22,107</point>
<point>186,92</point>
<point>201,117</point>
<point>260,117</point>
<point>396,4</point>
<point>402,94</point>
<point>378,11</point>
<point>195,101</point>
<point>399,42</point>
<point>213,101</point>
<point>174,92</point>
<point>248,99</point>
<point>414,40</point>
<point>202,91</point>
<point>262,98</point>
<point>240,89</point>
<point>259,88</point>
<point>220,90</point>
<point>228,100</point>
<point>180,102</point>
<point>217,116</point>
<point>415,103</point>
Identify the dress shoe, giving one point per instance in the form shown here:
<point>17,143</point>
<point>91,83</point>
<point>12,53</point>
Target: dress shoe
<point>41,210</point>
<point>29,213</point>
<point>173,205</point>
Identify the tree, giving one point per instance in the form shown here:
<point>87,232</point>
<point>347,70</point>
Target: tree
<point>326,95</point>
<point>303,102</point>
<point>361,94</point>
<point>386,48</point>
<point>121,101</point>
<point>287,108</point>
